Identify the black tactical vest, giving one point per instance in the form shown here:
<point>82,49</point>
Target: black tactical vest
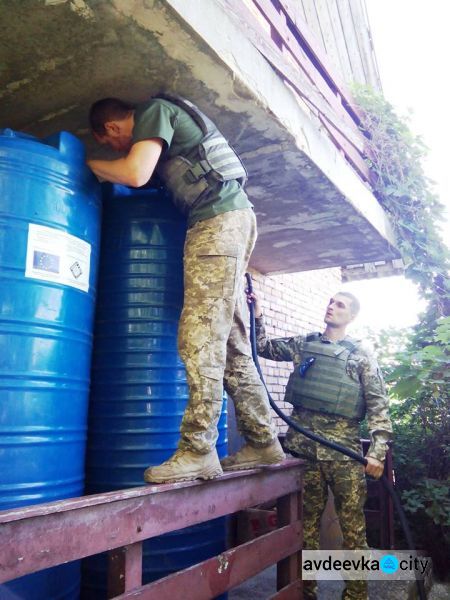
<point>187,177</point>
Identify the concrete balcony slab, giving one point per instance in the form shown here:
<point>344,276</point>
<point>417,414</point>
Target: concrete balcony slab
<point>313,209</point>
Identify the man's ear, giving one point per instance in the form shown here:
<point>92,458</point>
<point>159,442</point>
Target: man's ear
<point>112,128</point>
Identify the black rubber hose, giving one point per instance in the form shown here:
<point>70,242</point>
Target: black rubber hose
<point>328,443</point>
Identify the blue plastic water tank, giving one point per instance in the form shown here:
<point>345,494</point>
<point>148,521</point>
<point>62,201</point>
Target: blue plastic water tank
<point>139,389</point>
<point>49,242</point>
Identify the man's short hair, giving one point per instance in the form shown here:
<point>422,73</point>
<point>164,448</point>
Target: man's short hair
<point>108,109</point>
<point>354,302</point>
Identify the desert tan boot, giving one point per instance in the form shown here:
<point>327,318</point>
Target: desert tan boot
<point>185,465</point>
<point>249,457</point>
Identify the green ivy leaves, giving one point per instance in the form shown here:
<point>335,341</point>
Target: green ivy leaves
<point>396,156</point>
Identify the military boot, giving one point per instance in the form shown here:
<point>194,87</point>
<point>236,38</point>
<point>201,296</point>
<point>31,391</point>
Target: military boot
<point>185,465</point>
<point>249,457</point>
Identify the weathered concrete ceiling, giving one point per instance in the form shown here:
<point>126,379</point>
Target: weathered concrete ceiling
<point>58,56</point>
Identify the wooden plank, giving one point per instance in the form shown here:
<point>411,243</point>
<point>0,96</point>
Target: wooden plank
<point>289,510</point>
<point>301,59</point>
<point>389,468</point>
<point>333,37</point>
<point>350,38</point>
<point>59,506</point>
<point>339,115</point>
<point>302,2</point>
<point>309,42</point>
<point>346,145</point>
<point>295,10</point>
<point>257,14</point>
<point>324,86</point>
<point>293,591</point>
<point>217,575</point>
<point>40,537</point>
<point>124,569</point>
<point>352,151</point>
<point>364,42</point>
<point>352,155</point>
<point>312,20</point>
<point>295,77</point>
<point>341,44</point>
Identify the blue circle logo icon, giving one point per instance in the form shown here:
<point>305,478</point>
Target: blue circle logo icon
<point>389,564</point>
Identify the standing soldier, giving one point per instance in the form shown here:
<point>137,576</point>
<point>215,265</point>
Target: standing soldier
<point>335,383</point>
<point>206,178</point>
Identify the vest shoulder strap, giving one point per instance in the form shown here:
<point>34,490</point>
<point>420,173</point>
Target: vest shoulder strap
<point>350,344</point>
<point>202,120</point>
<point>313,337</point>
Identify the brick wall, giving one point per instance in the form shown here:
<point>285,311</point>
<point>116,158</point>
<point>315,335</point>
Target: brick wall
<point>292,305</point>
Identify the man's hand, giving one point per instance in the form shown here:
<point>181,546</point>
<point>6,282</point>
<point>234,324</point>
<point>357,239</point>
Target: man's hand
<point>252,298</point>
<point>374,467</point>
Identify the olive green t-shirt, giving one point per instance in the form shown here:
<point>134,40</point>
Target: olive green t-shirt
<point>162,119</point>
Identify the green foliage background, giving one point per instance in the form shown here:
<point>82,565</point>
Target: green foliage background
<point>417,378</point>
<point>416,362</point>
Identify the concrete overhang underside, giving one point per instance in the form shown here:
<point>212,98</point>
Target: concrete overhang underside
<point>60,55</point>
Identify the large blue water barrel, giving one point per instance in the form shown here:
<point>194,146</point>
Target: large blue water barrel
<point>49,242</point>
<point>139,389</point>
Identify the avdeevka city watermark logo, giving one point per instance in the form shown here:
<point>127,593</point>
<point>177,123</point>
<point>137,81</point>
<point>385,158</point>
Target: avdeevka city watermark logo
<point>389,564</point>
<point>363,564</point>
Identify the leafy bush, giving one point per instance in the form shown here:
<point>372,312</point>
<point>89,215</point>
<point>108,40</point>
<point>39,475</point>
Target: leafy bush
<point>416,363</point>
<point>395,156</point>
<point>417,378</point>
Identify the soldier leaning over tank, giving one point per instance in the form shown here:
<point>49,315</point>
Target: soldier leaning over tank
<point>335,383</point>
<point>206,177</point>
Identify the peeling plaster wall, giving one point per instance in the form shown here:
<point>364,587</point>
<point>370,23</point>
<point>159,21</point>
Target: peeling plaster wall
<point>58,56</point>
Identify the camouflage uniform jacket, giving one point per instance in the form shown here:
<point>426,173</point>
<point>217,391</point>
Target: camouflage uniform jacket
<point>361,366</point>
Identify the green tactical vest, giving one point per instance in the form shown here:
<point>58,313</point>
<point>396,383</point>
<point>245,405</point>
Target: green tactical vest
<point>326,386</point>
<point>188,177</point>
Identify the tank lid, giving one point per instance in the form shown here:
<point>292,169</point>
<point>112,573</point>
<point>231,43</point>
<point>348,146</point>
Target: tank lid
<point>67,144</point>
<point>7,132</point>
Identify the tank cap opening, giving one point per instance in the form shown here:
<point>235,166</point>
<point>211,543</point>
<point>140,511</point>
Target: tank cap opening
<point>8,132</point>
<point>67,144</point>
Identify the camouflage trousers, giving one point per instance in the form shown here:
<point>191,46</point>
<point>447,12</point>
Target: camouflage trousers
<point>347,482</point>
<point>212,336</point>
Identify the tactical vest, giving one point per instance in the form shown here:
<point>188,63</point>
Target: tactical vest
<point>188,177</point>
<point>323,384</point>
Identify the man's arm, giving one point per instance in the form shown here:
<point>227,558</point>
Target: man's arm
<point>133,170</point>
<point>277,349</point>
<point>379,422</point>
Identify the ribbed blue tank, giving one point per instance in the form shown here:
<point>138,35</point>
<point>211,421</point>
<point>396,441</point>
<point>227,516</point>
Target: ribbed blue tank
<point>49,243</point>
<point>139,389</point>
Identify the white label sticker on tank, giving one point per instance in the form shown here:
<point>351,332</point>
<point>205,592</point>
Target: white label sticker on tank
<point>53,255</point>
